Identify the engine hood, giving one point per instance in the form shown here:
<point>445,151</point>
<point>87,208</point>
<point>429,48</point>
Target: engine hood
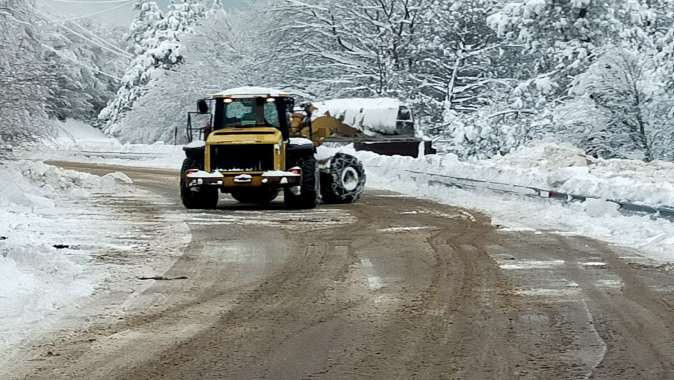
<point>245,136</point>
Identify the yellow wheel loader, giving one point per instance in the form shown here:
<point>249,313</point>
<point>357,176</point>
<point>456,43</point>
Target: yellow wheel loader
<point>249,149</point>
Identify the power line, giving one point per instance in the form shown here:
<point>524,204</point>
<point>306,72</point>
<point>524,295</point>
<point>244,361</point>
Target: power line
<point>49,19</point>
<point>94,35</point>
<point>91,2</point>
<point>127,56</point>
<point>80,63</point>
<point>101,39</point>
<point>99,12</point>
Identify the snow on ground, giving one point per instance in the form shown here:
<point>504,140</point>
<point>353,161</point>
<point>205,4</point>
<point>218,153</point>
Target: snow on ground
<point>39,271</point>
<point>55,240</point>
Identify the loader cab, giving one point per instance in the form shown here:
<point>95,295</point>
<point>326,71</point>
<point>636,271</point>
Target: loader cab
<point>245,109</point>
<point>246,113</point>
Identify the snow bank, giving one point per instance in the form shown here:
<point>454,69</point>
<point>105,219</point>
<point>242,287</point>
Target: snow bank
<point>39,274</point>
<point>555,167</point>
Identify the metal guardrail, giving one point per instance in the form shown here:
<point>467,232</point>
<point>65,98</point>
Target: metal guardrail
<point>625,207</point>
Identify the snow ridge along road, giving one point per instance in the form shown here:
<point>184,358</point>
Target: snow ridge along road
<point>625,207</point>
<point>391,287</point>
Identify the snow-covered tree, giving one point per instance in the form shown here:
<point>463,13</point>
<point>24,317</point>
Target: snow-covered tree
<point>563,37</point>
<point>624,110</point>
<point>458,64</point>
<point>361,47</point>
<point>161,52</point>
<point>483,134</point>
<point>563,40</point>
<point>87,59</point>
<point>25,78</point>
<point>455,52</point>
<point>51,69</point>
<point>147,16</point>
<point>218,5</point>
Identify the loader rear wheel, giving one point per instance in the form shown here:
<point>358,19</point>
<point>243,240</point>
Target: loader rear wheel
<point>203,198</point>
<point>344,181</point>
<point>254,196</point>
<point>308,197</point>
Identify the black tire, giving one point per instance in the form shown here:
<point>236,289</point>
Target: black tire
<point>308,197</point>
<point>255,196</point>
<point>344,181</point>
<point>204,198</point>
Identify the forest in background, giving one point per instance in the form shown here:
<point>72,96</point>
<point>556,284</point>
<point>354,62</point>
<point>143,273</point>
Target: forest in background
<point>484,76</point>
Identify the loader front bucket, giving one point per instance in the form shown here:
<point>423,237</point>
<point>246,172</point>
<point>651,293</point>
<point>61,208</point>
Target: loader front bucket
<point>402,147</point>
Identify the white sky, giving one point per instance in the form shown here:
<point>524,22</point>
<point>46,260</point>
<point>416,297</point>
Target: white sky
<point>117,12</point>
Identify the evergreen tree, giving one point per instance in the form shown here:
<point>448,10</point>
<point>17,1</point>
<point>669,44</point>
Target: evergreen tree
<point>148,15</point>
<point>161,47</point>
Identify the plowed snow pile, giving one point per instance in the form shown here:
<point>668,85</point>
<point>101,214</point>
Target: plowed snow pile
<point>556,167</point>
<point>39,272</point>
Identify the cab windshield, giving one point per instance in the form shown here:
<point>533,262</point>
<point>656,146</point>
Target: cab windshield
<point>238,113</point>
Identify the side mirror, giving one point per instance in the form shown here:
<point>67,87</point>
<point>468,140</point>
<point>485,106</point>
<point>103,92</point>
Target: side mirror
<point>202,106</point>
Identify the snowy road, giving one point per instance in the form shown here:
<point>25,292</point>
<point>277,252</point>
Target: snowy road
<point>391,287</point>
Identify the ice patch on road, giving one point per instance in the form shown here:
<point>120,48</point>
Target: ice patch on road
<point>516,229</point>
<point>394,196</point>
<point>567,293</point>
<point>438,214</point>
<point>531,264</point>
<point>403,229</point>
<point>600,348</point>
<point>374,282</point>
<point>609,283</point>
<point>309,219</point>
<point>594,264</point>
<point>468,215</point>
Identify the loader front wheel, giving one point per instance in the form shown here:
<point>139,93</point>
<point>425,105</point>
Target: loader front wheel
<point>308,196</point>
<point>344,181</point>
<point>203,198</point>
